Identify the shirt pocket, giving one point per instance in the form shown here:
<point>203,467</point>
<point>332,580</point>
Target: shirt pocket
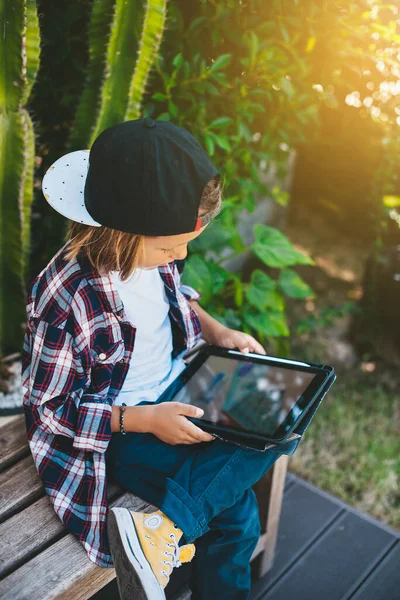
<point>105,354</point>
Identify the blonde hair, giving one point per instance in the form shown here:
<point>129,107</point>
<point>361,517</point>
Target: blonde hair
<point>112,250</point>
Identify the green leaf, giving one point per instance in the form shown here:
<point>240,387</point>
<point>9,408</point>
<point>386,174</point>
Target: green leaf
<point>220,122</point>
<point>230,319</point>
<point>209,144</point>
<point>275,250</point>
<point>215,237</point>
<point>254,42</point>
<point>211,88</point>
<point>262,280</point>
<point>293,286</point>
<point>220,77</point>
<point>196,23</point>
<point>186,69</point>
<point>238,292</point>
<point>256,106</point>
<point>244,132</point>
<point>198,275</point>
<point>221,62</point>
<point>222,142</point>
<point>269,299</point>
<point>286,86</point>
<point>270,324</point>
<point>261,291</point>
<point>178,60</point>
<point>219,276</point>
<point>172,108</point>
<point>159,96</point>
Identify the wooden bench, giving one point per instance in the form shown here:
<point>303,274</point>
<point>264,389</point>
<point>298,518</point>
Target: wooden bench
<point>39,558</point>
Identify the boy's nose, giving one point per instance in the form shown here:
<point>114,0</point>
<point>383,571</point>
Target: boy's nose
<point>181,254</point>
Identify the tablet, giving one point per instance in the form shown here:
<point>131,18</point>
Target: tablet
<point>251,394</point>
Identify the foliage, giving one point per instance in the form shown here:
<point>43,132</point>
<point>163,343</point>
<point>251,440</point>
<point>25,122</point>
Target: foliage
<point>248,80</point>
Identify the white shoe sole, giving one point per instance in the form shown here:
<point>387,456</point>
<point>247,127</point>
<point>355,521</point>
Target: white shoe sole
<point>135,577</point>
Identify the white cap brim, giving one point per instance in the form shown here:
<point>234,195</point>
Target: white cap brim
<point>63,186</point>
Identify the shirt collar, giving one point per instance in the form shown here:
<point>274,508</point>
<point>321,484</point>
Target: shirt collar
<point>104,286</point>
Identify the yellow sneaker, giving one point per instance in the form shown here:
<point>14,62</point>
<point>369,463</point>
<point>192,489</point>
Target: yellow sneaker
<point>145,550</point>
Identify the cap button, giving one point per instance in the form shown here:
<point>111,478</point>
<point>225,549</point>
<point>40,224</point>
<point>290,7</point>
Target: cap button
<point>148,122</point>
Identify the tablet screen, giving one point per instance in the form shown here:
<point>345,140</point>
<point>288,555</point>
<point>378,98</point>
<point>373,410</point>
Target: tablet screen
<point>249,396</point>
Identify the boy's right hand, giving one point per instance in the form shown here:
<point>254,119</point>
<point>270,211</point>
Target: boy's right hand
<point>169,423</point>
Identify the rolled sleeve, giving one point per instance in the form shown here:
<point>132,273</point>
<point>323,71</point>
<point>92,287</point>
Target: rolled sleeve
<point>189,292</point>
<point>93,430</point>
<point>54,391</point>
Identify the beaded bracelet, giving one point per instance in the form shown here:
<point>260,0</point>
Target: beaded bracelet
<point>121,419</point>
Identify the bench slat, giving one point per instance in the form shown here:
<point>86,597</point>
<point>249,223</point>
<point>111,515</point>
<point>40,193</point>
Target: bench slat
<point>30,531</point>
<point>19,486</point>
<point>63,570</point>
<point>13,442</point>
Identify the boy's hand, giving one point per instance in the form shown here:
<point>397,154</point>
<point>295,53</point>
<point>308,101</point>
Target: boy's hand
<point>233,339</point>
<point>169,423</point>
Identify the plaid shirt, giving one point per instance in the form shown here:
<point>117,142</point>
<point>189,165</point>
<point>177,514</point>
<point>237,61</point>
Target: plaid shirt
<point>76,352</point>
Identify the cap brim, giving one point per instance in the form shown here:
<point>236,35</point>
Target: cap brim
<point>63,186</point>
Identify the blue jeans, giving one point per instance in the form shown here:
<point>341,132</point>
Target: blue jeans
<point>206,489</point>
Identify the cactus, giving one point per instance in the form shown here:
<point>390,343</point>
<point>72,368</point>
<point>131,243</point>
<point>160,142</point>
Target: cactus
<point>19,64</point>
<point>153,27</point>
<point>124,40</point>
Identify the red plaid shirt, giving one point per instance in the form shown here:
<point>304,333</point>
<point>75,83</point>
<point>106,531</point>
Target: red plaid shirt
<point>77,348</point>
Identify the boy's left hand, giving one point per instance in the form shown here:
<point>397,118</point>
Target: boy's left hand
<point>233,339</point>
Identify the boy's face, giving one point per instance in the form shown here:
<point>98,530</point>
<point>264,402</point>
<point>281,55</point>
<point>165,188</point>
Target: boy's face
<point>162,249</point>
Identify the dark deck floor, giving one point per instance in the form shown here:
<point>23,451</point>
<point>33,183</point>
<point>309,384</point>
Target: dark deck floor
<point>326,550</point>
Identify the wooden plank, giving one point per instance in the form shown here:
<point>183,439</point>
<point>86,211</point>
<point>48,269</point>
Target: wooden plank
<point>30,531</point>
<point>269,491</point>
<point>68,573</point>
<point>63,570</point>
<point>339,557</point>
<point>19,486</point>
<point>13,442</point>
<point>383,583</point>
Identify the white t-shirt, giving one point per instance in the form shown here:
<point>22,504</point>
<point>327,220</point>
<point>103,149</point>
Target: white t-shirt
<point>151,368</point>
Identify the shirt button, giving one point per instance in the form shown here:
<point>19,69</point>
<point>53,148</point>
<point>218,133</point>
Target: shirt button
<point>102,356</point>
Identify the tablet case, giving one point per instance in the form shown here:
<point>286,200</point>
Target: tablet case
<point>247,440</point>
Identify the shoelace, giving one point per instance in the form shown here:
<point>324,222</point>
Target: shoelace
<point>174,562</point>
